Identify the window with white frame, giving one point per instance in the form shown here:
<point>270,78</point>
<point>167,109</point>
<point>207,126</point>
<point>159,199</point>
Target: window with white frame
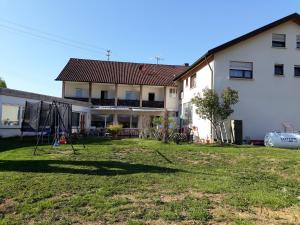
<point>193,81</point>
<point>173,92</point>
<point>278,40</point>
<point>187,82</point>
<point>241,70</point>
<point>78,92</point>
<point>10,115</point>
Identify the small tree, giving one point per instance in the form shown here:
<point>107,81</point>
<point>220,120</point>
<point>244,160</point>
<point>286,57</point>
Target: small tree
<point>215,108</point>
<point>2,83</point>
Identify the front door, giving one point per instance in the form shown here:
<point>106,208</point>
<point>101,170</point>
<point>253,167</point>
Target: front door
<point>103,95</point>
<point>151,97</point>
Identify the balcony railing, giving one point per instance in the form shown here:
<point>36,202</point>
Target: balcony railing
<point>78,99</point>
<point>125,102</point>
<point>153,104</point>
<point>121,102</point>
<point>104,102</point>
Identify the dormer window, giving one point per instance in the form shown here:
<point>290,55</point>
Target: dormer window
<point>278,40</point>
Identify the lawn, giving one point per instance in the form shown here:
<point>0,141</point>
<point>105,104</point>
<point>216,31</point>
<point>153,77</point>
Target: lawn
<point>137,182</point>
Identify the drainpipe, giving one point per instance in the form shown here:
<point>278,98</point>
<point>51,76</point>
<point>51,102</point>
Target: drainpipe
<point>212,74</point>
<point>212,87</point>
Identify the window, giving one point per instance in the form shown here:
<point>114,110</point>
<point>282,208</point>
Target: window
<point>278,69</point>
<point>75,119</point>
<point>10,115</point>
<point>241,70</point>
<point>173,92</point>
<point>78,92</point>
<point>151,96</point>
<point>297,71</point>
<point>101,121</point>
<point>298,42</point>
<point>193,81</point>
<point>278,40</point>
<point>187,113</point>
<point>132,95</point>
<point>187,82</point>
<point>104,95</point>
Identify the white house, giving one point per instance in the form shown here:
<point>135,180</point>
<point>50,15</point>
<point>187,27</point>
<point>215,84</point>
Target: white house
<point>131,94</point>
<point>12,104</point>
<point>263,66</point>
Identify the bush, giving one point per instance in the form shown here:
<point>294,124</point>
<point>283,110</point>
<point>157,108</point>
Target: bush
<point>114,129</point>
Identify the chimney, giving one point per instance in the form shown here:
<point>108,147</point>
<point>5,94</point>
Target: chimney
<point>186,64</point>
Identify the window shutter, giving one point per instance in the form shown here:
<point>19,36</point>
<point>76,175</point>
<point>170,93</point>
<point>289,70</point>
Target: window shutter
<point>240,65</point>
<point>278,37</point>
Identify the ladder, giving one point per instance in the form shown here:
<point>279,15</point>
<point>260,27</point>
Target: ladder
<point>223,132</point>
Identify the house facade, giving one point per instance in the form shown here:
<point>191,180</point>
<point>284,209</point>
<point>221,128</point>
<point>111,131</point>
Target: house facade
<point>131,94</point>
<point>263,66</point>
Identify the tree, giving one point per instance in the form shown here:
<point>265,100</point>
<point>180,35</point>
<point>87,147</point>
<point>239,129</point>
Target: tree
<point>216,108</point>
<point>2,83</point>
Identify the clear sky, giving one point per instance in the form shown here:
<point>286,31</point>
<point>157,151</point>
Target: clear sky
<point>37,37</point>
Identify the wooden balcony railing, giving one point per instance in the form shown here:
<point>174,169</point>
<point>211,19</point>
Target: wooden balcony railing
<point>125,102</point>
<point>78,99</point>
<point>153,104</point>
<point>103,102</point>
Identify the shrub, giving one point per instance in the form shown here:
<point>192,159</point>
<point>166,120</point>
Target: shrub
<point>114,129</point>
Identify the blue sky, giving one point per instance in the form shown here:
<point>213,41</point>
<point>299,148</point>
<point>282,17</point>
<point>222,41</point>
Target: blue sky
<point>135,30</point>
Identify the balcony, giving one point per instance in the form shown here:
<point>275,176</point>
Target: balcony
<point>125,102</point>
<point>153,104</point>
<point>103,102</point>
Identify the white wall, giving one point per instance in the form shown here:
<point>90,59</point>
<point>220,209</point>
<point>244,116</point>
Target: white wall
<point>123,88</point>
<point>203,80</point>
<point>267,100</point>
<point>172,102</point>
<point>70,89</point>
<point>158,91</point>
<point>97,88</point>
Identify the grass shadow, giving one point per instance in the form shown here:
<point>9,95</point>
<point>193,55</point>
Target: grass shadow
<point>100,168</point>
<point>12,143</point>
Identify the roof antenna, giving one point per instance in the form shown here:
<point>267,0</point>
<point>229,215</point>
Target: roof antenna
<point>108,53</point>
<point>157,58</point>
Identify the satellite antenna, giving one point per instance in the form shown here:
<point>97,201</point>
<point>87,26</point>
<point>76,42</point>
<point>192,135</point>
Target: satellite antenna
<point>108,53</point>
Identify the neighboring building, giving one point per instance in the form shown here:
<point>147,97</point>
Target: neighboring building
<point>264,66</point>
<point>131,94</point>
<point>12,104</point>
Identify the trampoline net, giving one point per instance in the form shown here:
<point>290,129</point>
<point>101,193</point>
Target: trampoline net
<point>42,116</point>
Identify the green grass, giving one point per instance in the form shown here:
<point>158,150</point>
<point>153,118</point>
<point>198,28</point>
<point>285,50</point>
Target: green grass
<point>138,182</point>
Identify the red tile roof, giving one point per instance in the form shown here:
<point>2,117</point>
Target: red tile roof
<point>97,71</point>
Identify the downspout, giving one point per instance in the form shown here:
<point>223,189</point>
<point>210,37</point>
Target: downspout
<point>212,87</point>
